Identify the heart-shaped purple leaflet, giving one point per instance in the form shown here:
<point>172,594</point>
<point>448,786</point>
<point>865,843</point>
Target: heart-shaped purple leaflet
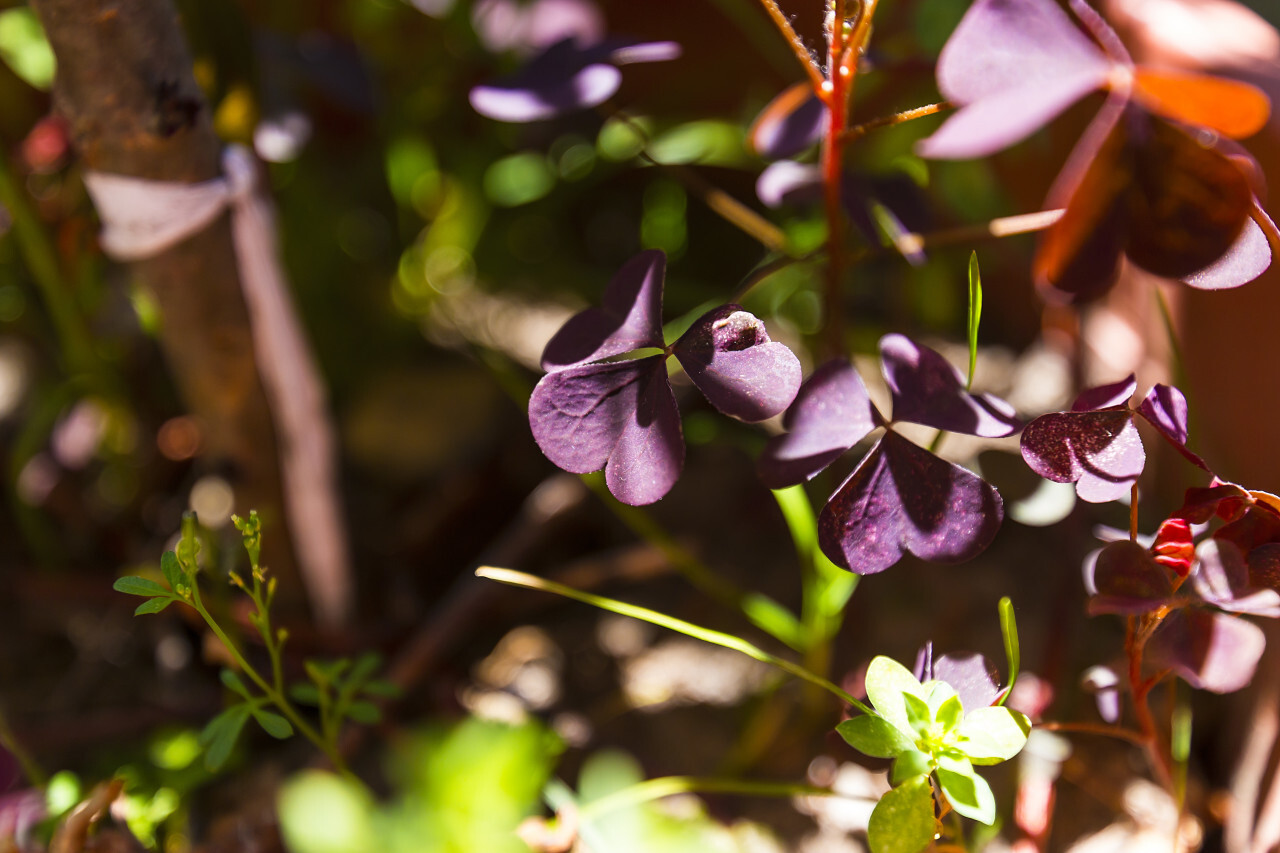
<point>1165,408</point>
<point>831,414</point>
<point>1223,579</point>
<point>620,416</point>
<point>928,390</point>
<point>1127,579</point>
<point>1208,649</point>
<point>903,499</point>
<point>729,356</point>
<point>1012,65</point>
<point>629,317</point>
<point>1100,452</point>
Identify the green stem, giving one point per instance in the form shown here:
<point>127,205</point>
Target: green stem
<point>669,786</point>
<point>698,632</point>
<point>30,768</point>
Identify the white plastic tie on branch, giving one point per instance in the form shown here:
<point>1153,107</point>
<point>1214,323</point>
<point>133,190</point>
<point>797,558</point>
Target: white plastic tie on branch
<point>142,218</point>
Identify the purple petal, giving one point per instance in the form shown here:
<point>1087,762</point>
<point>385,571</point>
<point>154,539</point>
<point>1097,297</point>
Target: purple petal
<point>649,455</point>
<point>1100,452</point>
<point>1106,396</point>
<point>1127,579</point>
<point>928,390</point>
<point>728,355</point>
<point>831,413</point>
<point>1248,258</point>
<point>579,415</point>
<point>1165,408</point>
<point>904,499</point>
<point>630,317</point>
<point>974,678</point>
<point>790,123</point>
<point>1209,650</point>
<point>1223,580</point>
<point>1012,65</point>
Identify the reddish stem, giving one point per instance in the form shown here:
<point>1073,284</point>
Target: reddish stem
<point>835,92</point>
<point>1137,632</point>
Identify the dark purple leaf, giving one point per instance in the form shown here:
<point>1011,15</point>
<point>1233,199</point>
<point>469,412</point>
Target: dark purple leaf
<point>790,123</point>
<point>904,499</point>
<point>1209,650</point>
<point>1127,579</point>
<point>620,416</point>
<point>729,356</point>
<point>630,317</point>
<point>789,183</point>
<point>1165,408</point>
<point>1012,65</point>
<point>928,390</point>
<point>1223,579</point>
<point>510,25</point>
<point>831,414</point>
<point>1104,683</point>
<point>1264,566</point>
<point>1100,452</point>
<point>1105,396</point>
<point>1248,258</point>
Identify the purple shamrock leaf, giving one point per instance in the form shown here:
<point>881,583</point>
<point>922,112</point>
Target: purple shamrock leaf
<point>1209,650</point>
<point>564,78</point>
<point>1127,580</point>
<point>971,675</point>
<point>790,123</point>
<point>1095,445</point>
<point>1264,566</point>
<point>1223,579</point>
<point>629,318</point>
<point>902,499</point>
<point>621,416</point>
<point>1165,408</point>
<point>831,414</point>
<point>729,356</point>
<point>928,390</point>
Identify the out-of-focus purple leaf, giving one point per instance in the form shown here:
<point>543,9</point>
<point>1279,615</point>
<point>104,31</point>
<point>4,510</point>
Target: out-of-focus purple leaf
<point>787,182</point>
<point>507,24</point>
<point>1100,452</point>
<point>1105,396</point>
<point>619,414</point>
<point>629,318</point>
<point>974,678</point>
<point>729,356</point>
<point>1128,580</point>
<point>1104,683</point>
<point>1223,580</point>
<point>790,123</point>
<point>1208,649</point>
<point>1264,566</point>
<point>928,390</point>
<point>831,413</point>
<point>1256,525</point>
<point>564,78</point>
<point>1248,258</point>
<point>1012,65</point>
<point>1165,408</point>
<point>903,499</point>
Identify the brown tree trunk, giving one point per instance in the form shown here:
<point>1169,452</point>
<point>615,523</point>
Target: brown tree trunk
<point>125,86</point>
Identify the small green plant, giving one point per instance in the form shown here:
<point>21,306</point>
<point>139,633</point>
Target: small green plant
<point>339,690</point>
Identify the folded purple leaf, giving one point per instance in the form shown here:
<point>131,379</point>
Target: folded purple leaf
<point>564,78</point>
<point>1209,650</point>
<point>1165,408</point>
<point>787,182</point>
<point>729,356</point>
<point>928,390</point>
<point>831,414</point>
<point>790,123</point>
<point>902,499</point>
<point>1128,580</point>
<point>1011,65</point>
<point>1222,578</point>
<point>1100,452</point>
<point>1104,683</point>
<point>1248,258</point>
<point>1105,396</point>
<point>620,416</point>
<point>629,318</point>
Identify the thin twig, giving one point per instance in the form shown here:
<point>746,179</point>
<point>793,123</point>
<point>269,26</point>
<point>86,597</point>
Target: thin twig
<point>797,46</point>
<point>860,130</point>
<point>1118,732</point>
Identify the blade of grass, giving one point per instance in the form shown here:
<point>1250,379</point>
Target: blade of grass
<point>975,314</point>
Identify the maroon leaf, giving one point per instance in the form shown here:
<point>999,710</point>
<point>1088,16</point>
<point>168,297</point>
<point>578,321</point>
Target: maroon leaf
<point>1209,650</point>
<point>904,499</point>
<point>928,390</point>
<point>729,356</point>
<point>1105,396</point>
<point>1264,566</point>
<point>1127,579</point>
<point>630,317</point>
<point>1165,408</point>
<point>1248,258</point>
<point>1224,580</point>
<point>1013,65</point>
<point>831,414</point>
<point>1100,452</point>
<point>1174,546</point>
<point>620,416</point>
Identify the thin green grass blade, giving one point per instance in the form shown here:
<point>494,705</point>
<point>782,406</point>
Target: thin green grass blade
<point>975,314</point>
